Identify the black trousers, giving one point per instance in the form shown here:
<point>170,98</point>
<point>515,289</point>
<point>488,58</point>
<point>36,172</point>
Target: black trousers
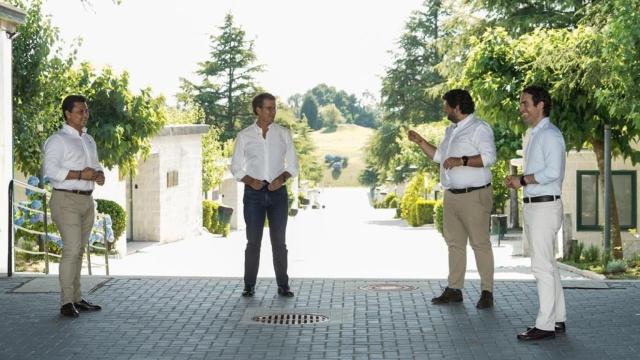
<point>273,205</point>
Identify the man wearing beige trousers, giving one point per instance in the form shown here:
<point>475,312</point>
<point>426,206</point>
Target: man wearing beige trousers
<point>71,164</point>
<point>465,155</point>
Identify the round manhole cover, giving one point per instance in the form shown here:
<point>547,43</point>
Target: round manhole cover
<point>290,319</point>
<point>388,287</point>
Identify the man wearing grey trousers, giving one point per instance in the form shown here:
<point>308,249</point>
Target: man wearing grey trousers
<point>71,164</point>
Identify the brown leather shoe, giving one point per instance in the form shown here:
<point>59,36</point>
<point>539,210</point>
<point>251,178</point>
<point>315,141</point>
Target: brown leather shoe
<point>69,310</point>
<point>486,300</point>
<point>536,334</point>
<point>448,295</point>
<point>560,328</point>
<point>84,305</point>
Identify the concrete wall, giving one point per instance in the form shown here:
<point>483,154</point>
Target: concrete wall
<point>10,17</point>
<point>162,213</point>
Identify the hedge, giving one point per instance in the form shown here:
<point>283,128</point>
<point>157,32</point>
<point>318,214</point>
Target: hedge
<point>438,216</point>
<point>210,219</point>
<point>117,213</point>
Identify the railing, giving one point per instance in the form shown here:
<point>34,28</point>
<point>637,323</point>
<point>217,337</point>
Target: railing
<point>45,235</point>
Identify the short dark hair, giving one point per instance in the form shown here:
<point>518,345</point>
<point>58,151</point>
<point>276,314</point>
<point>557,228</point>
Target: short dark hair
<point>538,93</point>
<point>462,98</point>
<point>259,99</point>
<point>70,101</point>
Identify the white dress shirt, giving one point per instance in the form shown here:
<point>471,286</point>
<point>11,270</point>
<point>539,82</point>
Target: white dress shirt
<point>544,158</point>
<point>264,158</point>
<point>67,150</point>
<point>469,137</point>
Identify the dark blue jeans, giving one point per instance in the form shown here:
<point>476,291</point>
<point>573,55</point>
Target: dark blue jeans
<point>258,205</point>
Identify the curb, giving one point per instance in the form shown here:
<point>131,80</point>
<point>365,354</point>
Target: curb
<point>586,273</point>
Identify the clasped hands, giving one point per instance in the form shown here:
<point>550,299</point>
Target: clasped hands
<point>91,174</point>
<point>273,186</point>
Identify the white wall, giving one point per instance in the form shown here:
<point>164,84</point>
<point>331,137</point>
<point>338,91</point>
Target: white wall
<point>162,213</point>
<point>6,144</point>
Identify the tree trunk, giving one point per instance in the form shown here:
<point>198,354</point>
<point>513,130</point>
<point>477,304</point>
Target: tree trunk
<point>514,215</point>
<point>616,239</point>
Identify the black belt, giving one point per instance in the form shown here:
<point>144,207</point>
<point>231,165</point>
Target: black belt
<point>469,189</point>
<point>79,192</point>
<point>543,198</point>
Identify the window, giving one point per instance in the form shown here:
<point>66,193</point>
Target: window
<point>172,178</point>
<point>624,188</point>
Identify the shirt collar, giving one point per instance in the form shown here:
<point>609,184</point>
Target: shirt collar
<point>259,129</point>
<point>70,130</point>
<point>464,122</point>
<point>543,123</point>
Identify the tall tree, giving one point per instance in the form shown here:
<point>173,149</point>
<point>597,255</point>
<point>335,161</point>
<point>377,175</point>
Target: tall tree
<point>592,72</point>
<point>228,84</point>
<point>309,110</point>
<point>405,86</point>
<point>122,123</point>
<point>40,79</point>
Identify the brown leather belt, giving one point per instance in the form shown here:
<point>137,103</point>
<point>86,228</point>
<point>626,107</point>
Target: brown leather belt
<point>543,198</point>
<point>469,189</point>
<point>79,192</point>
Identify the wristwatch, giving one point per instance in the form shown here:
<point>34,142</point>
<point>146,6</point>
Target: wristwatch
<point>522,182</point>
<point>465,160</point>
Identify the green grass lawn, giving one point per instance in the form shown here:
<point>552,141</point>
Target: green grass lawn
<point>347,140</point>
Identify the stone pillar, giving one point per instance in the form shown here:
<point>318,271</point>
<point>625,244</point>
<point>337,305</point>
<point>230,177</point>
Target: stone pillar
<point>10,18</point>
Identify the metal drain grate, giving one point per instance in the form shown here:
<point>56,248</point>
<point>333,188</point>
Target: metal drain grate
<point>388,287</point>
<point>290,319</point>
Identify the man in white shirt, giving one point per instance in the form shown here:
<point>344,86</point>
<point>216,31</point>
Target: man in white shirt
<point>465,156</point>
<point>71,164</point>
<point>263,159</point>
<point>544,162</point>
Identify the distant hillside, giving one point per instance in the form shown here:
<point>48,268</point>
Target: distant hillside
<point>346,141</point>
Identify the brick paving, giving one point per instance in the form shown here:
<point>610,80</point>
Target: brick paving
<point>206,318</point>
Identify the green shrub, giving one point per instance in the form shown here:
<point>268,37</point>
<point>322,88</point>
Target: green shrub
<point>210,218</point>
<point>117,213</point>
<point>411,195</point>
<point>209,215</point>
<point>438,216</point>
<point>616,266</point>
<point>591,254</point>
<point>424,211</point>
<point>391,197</point>
<point>575,252</point>
<point>394,203</point>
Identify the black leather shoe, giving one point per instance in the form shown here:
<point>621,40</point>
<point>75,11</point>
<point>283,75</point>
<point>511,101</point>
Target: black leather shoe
<point>248,291</point>
<point>449,295</point>
<point>84,305</point>
<point>69,310</point>
<point>486,300</point>
<point>536,334</point>
<point>285,291</point>
<point>560,328</point>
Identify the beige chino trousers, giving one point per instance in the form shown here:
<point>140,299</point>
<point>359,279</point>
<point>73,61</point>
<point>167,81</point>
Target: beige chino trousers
<point>74,216</point>
<point>467,217</point>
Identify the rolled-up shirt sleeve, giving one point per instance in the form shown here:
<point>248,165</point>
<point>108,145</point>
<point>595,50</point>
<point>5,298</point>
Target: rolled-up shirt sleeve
<point>553,150</point>
<point>237,166</point>
<point>484,142</point>
<point>290,158</point>
<point>53,158</point>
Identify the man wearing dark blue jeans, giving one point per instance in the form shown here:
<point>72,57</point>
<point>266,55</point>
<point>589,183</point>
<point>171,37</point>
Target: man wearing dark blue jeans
<point>264,158</point>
